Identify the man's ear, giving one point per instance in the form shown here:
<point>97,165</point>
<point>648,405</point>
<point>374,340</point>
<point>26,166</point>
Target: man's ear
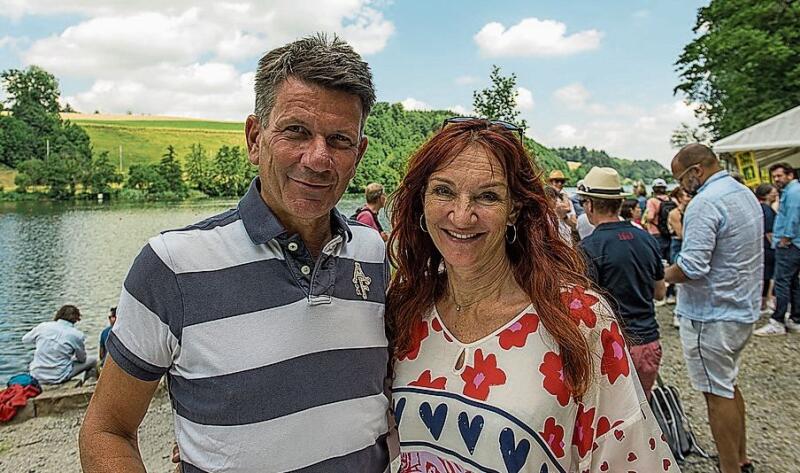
<point>252,133</point>
<point>362,148</point>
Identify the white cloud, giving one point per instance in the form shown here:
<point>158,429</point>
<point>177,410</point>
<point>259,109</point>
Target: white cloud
<point>413,104</point>
<point>461,111</point>
<point>565,131</point>
<point>638,134</point>
<point>641,14</point>
<point>466,80</point>
<point>8,41</point>
<point>574,96</point>
<point>150,56</point>
<point>533,37</point>
<point>524,99</point>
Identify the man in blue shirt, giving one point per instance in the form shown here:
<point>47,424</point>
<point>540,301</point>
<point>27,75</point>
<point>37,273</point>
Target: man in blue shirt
<point>719,267</point>
<point>786,241</point>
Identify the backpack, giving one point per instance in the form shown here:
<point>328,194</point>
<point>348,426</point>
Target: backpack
<point>663,217</point>
<point>665,402</point>
<point>358,212</point>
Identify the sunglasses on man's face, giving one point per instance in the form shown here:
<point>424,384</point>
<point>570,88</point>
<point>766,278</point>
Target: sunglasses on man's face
<point>505,125</point>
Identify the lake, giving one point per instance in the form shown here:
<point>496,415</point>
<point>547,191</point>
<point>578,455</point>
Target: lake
<point>53,254</point>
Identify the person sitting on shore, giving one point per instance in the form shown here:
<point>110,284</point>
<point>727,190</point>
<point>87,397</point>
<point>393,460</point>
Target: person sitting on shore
<point>112,318</point>
<point>60,351</point>
<point>368,214</point>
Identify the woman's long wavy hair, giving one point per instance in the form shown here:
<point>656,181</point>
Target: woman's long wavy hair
<point>542,262</point>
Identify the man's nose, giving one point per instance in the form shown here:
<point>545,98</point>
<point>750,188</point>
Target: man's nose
<point>317,154</point>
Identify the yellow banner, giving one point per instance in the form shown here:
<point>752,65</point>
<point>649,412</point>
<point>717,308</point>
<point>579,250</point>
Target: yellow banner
<point>748,168</point>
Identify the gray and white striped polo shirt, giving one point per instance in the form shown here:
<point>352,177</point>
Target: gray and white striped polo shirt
<point>275,362</point>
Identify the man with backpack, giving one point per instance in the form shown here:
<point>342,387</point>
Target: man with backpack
<point>368,214</point>
<point>656,225</point>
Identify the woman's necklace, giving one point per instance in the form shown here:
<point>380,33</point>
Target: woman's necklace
<point>464,305</point>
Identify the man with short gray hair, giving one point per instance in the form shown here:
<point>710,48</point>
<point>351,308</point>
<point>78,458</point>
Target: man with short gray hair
<point>267,320</point>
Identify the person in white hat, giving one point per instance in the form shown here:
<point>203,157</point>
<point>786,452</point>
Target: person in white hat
<point>626,262</point>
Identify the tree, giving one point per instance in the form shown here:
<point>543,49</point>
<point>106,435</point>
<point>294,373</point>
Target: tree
<point>198,169</point>
<point>686,134</point>
<point>171,175</point>
<point>499,102</point>
<point>744,64</point>
<point>101,174</point>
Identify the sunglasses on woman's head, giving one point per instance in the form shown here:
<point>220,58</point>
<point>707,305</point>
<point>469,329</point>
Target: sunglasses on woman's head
<point>506,125</point>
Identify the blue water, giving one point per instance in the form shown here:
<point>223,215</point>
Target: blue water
<point>56,254</point>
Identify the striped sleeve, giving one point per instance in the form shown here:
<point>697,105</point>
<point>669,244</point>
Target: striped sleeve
<point>146,337</point>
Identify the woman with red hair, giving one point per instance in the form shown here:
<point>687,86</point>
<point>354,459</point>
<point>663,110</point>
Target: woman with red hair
<point>504,359</point>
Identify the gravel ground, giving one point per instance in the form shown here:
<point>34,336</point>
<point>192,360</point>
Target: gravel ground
<point>769,380</point>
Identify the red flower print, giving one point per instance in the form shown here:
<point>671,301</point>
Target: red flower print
<point>553,434</point>
<point>580,306</point>
<point>483,374</point>
<point>425,381</point>
<point>604,426</point>
<point>553,370</point>
<point>418,334</point>
<point>517,334</point>
<point>583,435</point>
<point>437,326</point>
<point>615,361</point>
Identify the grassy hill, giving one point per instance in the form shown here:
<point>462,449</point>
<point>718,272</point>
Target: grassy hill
<point>145,138</point>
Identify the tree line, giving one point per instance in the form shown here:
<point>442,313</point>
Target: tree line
<point>55,157</point>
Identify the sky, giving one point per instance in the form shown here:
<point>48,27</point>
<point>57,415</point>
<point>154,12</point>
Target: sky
<point>589,73</point>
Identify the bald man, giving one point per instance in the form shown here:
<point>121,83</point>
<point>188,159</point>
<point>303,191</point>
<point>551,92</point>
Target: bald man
<point>719,268</point>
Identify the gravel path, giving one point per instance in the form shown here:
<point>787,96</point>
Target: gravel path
<point>769,379</point>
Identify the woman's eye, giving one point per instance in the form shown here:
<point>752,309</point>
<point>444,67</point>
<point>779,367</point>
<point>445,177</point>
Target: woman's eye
<point>441,190</point>
<point>489,197</point>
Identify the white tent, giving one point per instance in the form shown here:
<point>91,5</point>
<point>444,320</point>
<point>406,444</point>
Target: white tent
<point>775,139</point>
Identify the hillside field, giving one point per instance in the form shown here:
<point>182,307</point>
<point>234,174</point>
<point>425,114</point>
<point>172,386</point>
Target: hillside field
<point>145,139</point>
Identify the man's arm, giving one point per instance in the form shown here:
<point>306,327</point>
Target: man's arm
<point>674,274</point>
<point>699,240</point>
<point>108,438</point>
<point>660,290</point>
<point>790,214</point>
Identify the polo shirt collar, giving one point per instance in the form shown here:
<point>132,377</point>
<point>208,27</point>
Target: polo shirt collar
<point>263,226</point>
<point>714,177</point>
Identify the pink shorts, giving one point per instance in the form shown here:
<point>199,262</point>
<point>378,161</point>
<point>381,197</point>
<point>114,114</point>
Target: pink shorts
<point>647,360</point>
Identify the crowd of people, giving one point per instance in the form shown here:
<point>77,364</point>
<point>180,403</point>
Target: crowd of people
<point>504,324</point>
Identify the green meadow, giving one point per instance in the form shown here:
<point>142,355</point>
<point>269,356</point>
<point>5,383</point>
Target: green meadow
<point>145,141</point>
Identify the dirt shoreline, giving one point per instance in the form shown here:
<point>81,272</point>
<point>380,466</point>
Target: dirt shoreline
<point>769,380</point>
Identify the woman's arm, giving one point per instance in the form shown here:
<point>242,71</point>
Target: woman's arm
<point>675,222</point>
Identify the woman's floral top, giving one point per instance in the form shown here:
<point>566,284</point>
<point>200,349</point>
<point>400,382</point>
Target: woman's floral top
<point>506,408</point>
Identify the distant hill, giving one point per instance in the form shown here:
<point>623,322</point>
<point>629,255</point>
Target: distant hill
<point>632,170</point>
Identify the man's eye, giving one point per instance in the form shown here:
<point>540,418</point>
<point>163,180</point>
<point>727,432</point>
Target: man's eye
<point>489,197</point>
<point>296,129</point>
<point>340,141</point>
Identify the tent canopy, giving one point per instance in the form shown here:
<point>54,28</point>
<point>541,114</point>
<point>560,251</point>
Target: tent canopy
<point>775,139</point>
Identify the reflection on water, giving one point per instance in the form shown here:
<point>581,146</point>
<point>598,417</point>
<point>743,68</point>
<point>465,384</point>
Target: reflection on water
<point>56,254</point>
